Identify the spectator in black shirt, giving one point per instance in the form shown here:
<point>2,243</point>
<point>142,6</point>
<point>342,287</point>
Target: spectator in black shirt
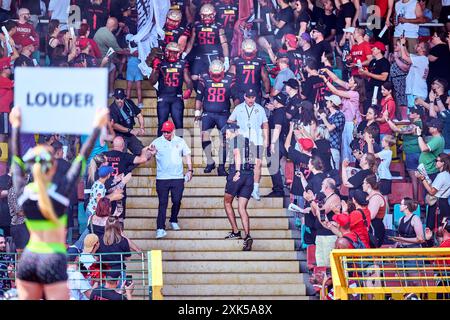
<point>346,12</point>
<point>368,166</point>
<point>277,152</point>
<point>123,111</point>
<point>320,45</point>
<point>327,18</point>
<point>293,99</point>
<point>110,291</point>
<point>323,147</point>
<point>378,73</point>
<point>301,14</point>
<point>283,20</point>
<point>314,88</point>
<point>25,60</point>
<point>95,13</point>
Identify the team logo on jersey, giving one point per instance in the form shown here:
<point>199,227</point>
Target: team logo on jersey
<point>169,33</point>
<point>249,66</point>
<point>170,70</point>
<point>207,29</point>
<point>229,11</point>
<point>217,85</point>
<point>175,7</point>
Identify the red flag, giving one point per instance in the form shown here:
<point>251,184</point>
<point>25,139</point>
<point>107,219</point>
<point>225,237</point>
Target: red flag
<point>245,12</point>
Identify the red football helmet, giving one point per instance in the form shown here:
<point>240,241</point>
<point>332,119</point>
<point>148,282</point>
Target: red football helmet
<point>172,52</point>
<point>249,49</point>
<point>173,19</point>
<point>208,13</point>
<point>217,70</point>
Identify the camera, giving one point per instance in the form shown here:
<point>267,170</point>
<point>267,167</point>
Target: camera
<point>322,215</point>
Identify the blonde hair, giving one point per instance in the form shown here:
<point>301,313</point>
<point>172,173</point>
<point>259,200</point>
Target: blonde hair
<point>390,140</point>
<point>113,231</point>
<point>94,164</point>
<point>44,203</point>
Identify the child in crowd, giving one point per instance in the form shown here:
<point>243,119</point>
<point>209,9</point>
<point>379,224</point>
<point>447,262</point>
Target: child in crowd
<point>134,74</point>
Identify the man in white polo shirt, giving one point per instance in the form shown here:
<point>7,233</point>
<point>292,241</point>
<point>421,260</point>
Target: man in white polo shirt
<point>170,151</point>
<point>251,118</point>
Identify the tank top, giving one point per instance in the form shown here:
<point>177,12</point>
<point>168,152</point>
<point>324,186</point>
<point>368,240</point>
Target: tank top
<point>406,10</point>
<point>405,229</point>
<point>382,210</point>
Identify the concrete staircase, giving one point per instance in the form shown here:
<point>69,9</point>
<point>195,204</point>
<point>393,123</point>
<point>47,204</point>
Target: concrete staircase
<point>198,263</point>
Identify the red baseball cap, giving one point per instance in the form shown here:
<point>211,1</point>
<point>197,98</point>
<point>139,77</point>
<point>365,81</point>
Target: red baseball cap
<point>380,46</point>
<point>167,126</point>
<point>306,143</point>
<point>342,219</point>
<point>5,63</point>
<point>83,43</point>
<point>27,42</point>
<point>291,39</point>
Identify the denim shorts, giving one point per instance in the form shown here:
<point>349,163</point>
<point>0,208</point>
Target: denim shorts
<point>412,161</point>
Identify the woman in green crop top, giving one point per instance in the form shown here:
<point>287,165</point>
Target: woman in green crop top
<point>42,268</point>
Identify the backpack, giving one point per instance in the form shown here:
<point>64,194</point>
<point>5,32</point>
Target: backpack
<point>373,240</point>
<point>358,244</point>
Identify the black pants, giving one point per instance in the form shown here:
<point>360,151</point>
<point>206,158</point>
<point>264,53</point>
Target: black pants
<point>444,211</point>
<point>133,144</point>
<point>274,167</point>
<point>173,106</point>
<point>163,187</point>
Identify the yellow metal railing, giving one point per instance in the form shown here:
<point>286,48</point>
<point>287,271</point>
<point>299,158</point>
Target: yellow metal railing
<point>155,275</point>
<point>380,272</point>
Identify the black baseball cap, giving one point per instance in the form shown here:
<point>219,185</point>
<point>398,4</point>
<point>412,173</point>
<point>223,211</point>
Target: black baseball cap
<point>119,93</point>
<point>250,93</point>
<point>292,83</point>
<point>281,98</point>
<point>417,109</point>
<point>113,275</point>
<point>319,28</point>
<point>360,197</point>
<point>281,55</point>
<point>435,123</point>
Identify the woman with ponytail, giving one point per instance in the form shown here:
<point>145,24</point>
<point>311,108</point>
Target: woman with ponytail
<point>42,269</point>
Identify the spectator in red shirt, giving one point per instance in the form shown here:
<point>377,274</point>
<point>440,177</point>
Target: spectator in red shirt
<point>387,108</point>
<point>360,217</point>
<point>84,33</point>
<point>360,50</point>
<point>6,96</point>
<point>25,30</point>
<point>347,237</point>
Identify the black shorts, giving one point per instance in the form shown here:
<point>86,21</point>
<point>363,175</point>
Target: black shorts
<point>43,268</point>
<point>4,123</point>
<point>133,144</point>
<point>241,188</point>
<point>385,187</point>
<point>212,119</point>
<point>445,13</point>
<point>20,235</point>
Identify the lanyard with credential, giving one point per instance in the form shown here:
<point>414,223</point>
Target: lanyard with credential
<point>249,115</point>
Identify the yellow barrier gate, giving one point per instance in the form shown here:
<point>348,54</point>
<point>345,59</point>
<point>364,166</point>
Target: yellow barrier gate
<point>376,273</point>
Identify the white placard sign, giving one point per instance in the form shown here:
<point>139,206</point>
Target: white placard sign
<point>60,100</point>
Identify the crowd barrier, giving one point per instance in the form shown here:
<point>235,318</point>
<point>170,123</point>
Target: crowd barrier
<point>391,273</point>
<point>144,269</point>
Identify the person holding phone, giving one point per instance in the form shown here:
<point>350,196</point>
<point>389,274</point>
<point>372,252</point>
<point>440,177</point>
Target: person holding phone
<point>323,212</point>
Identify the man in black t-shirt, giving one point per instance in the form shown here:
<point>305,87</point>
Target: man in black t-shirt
<point>95,14</point>
<point>123,163</point>
<point>284,22</point>
<point>314,88</point>
<point>25,60</point>
<point>327,18</point>
<point>293,100</point>
<point>320,45</point>
<point>110,290</point>
<point>378,73</point>
<point>122,112</point>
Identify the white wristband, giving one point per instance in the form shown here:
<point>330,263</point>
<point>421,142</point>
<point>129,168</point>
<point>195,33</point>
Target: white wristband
<point>197,113</point>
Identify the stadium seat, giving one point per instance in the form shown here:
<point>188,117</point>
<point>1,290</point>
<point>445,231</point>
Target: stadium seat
<point>398,167</point>
<point>397,215</point>
<point>400,190</point>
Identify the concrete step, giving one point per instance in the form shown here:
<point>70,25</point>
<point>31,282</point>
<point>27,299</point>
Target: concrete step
<point>209,213</point>
<point>256,223</point>
<point>187,192</point>
<point>198,171</point>
<point>234,255</point>
<point>234,290</point>
<point>233,278</point>
<point>214,245</point>
<point>196,182</point>
<point>242,298</point>
<point>212,234</point>
<point>231,266</point>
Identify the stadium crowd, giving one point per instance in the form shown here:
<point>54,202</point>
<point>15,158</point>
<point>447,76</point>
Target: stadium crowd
<point>340,108</point>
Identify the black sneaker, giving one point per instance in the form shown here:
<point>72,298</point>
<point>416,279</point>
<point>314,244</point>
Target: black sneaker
<point>275,194</point>
<point>221,172</point>
<point>209,168</point>
<point>232,235</point>
<point>248,241</point>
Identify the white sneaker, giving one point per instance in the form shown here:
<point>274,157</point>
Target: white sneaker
<point>160,233</point>
<point>175,226</point>
<point>140,105</point>
<point>255,195</point>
